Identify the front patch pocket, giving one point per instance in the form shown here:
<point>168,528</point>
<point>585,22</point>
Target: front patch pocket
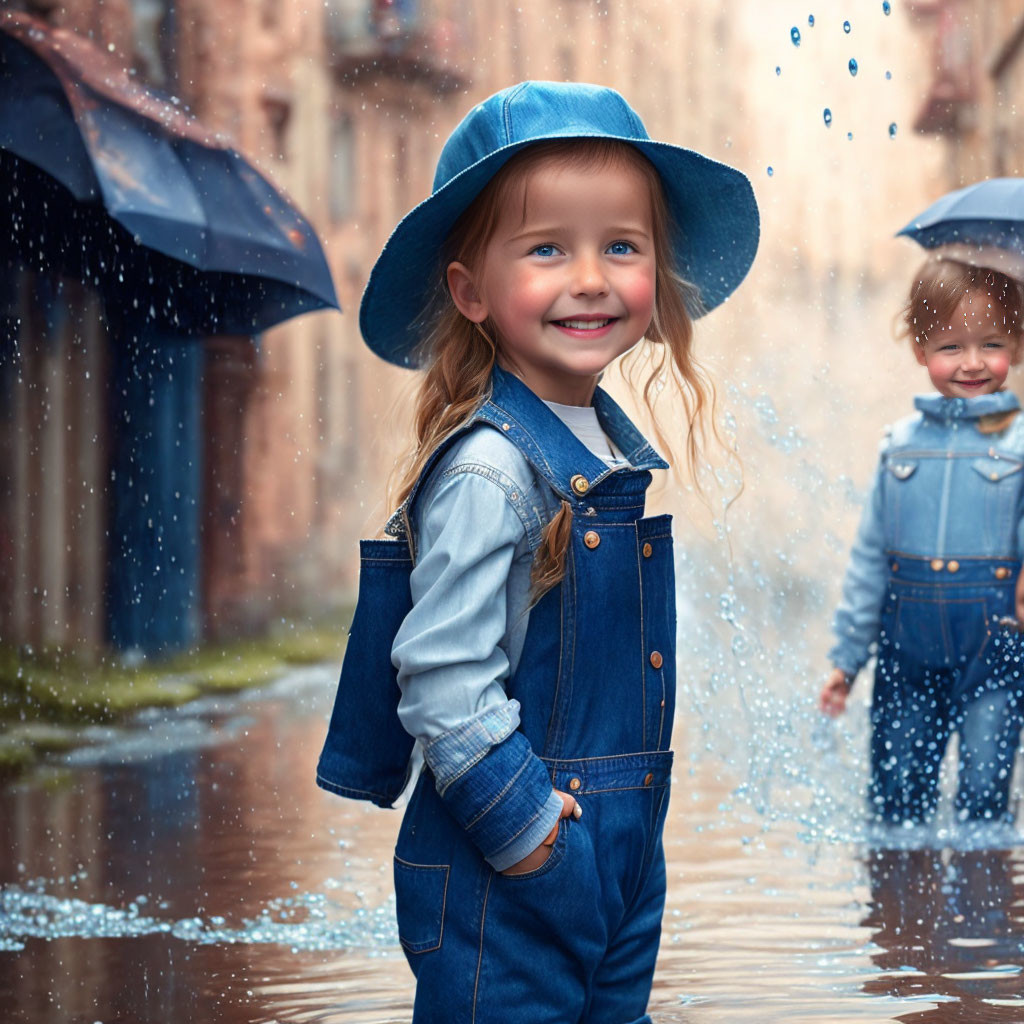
<point>420,894</point>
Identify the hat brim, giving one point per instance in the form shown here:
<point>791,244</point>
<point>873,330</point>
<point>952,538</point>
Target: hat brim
<point>716,232</point>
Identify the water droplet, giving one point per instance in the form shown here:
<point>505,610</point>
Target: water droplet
<point>846,27</point>
<point>886,7</point>
<point>853,66</point>
<point>810,20</point>
<point>794,34</point>
<point>849,135</point>
<point>778,70</point>
<point>771,171</point>
<point>828,117</point>
<point>888,76</point>
<point>892,130</point>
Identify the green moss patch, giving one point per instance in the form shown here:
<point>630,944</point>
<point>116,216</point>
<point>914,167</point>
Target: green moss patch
<point>42,694</point>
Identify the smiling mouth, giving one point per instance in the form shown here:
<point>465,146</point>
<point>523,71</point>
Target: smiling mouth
<point>585,325</point>
<point>971,383</point>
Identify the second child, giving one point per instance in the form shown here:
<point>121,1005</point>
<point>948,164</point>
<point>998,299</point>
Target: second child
<point>934,581</point>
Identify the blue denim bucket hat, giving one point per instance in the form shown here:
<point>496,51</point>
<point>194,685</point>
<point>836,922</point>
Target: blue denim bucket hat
<point>716,223</point>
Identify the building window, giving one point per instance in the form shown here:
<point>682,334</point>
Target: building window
<point>153,40</point>
<point>343,168</point>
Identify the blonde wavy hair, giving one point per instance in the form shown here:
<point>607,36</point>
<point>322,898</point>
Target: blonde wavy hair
<point>458,355</point>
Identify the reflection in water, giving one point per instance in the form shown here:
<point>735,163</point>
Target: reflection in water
<point>949,928</point>
<point>189,870</point>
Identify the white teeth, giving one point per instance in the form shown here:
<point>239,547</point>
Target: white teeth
<point>584,325</point>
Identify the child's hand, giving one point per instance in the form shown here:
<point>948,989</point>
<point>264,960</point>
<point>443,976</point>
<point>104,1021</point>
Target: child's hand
<point>835,691</point>
<point>1019,608</point>
<point>532,861</point>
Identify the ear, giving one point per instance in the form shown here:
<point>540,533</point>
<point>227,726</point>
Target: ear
<point>919,352</point>
<point>465,293</point>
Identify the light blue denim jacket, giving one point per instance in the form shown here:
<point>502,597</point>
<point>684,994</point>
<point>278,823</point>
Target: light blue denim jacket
<point>943,489</point>
<point>476,525</point>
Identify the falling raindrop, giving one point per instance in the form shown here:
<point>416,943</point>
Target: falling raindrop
<point>849,135</point>
<point>846,27</point>
<point>888,75</point>
<point>778,70</point>
<point>886,7</point>
<point>794,34</point>
<point>853,66</point>
<point>810,20</point>
<point>771,171</point>
<point>892,130</point>
<point>828,117</point>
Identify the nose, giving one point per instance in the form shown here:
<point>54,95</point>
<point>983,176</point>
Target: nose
<point>972,359</point>
<point>588,277</point>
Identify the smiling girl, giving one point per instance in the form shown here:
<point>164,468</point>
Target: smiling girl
<point>526,610</point>
<point>934,578</point>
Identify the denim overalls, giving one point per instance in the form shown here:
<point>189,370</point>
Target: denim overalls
<point>576,939</point>
<point>932,572</point>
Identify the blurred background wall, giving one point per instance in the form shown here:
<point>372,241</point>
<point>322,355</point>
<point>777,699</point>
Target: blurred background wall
<point>345,105</point>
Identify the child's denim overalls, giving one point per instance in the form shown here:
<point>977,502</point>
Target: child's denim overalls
<point>576,939</point>
<point>932,571</point>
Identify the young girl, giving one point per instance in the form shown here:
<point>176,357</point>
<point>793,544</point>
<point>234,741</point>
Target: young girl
<point>532,642</point>
<point>934,575</point>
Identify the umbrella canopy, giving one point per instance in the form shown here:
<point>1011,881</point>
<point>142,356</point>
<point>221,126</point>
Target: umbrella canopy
<point>988,213</point>
<point>138,197</point>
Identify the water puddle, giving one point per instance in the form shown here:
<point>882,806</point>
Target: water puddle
<point>186,868</point>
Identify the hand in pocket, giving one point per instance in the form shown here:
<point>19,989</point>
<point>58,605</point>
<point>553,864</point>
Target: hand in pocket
<point>536,858</point>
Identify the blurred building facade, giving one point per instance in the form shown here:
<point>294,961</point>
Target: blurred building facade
<point>345,106</point>
<point>976,93</point>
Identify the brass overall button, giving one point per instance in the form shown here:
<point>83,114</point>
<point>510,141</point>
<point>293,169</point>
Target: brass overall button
<point>575,784</point>
<point>953,565</point>
<point>895,566</point>
<point>1002,572</point>
<point>937,565</point>
<point>591,538</point>
<point>656,659</point>
<point>580,484</point>
<point>648,778</point>
<point>647,550</point>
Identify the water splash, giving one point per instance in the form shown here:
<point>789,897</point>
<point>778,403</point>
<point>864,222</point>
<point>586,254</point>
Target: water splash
<point>306,921</point>
<point>794,34</point>
<point>853,66</point>
<point>827,115</point>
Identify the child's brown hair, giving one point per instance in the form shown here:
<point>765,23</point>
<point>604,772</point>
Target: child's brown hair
<point>940,285</point>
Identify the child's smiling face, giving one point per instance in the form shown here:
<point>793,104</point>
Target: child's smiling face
<point>568,276</point>
<point>973,353</point>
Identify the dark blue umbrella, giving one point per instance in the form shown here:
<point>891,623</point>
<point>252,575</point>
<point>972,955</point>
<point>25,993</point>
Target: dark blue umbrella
<point>986,213</point>
<point>121,187</point>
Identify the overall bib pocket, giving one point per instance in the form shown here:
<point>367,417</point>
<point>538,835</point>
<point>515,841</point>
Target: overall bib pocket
<point>421,891</point>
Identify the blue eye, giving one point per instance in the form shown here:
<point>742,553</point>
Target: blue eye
<point>544,251</point>
<point>621,248</point>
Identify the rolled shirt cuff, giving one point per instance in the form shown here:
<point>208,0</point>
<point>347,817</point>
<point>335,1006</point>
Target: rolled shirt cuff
<point>504,801</point>
<point>458,749</point>
<point>532,837</point>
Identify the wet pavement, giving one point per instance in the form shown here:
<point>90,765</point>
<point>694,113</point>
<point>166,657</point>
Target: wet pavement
<point>187,869</point>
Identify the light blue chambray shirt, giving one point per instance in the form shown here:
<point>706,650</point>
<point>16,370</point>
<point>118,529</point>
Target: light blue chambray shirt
<point>477,523</point>
<point>943,489</point>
